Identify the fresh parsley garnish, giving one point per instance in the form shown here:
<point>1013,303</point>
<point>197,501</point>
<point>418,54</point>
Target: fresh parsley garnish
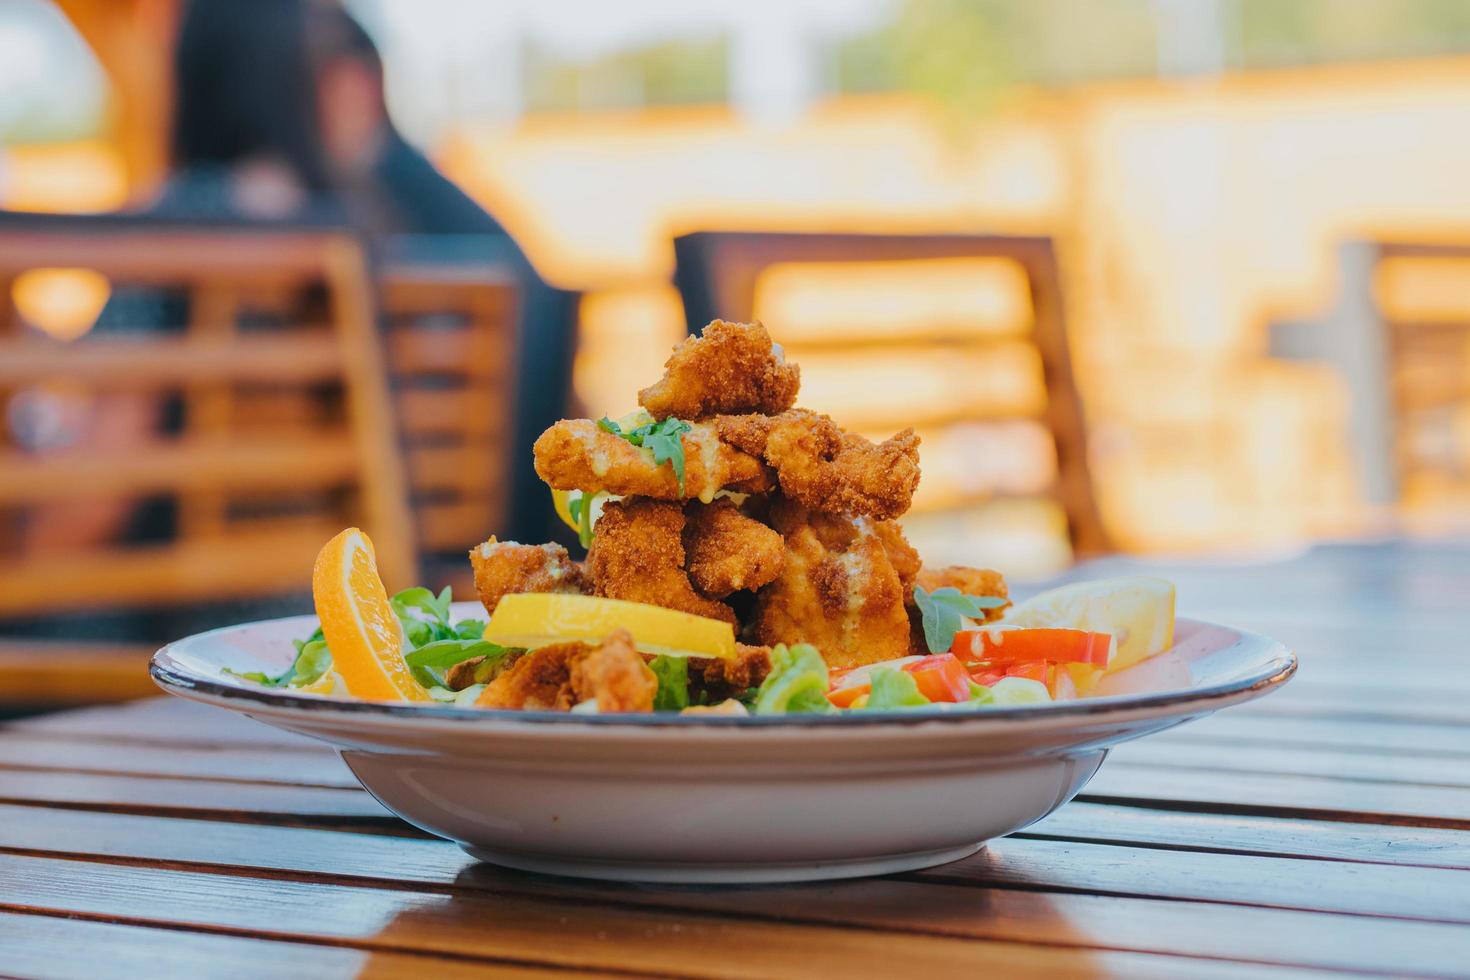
<point>945,609</point>
<point>664,439</point>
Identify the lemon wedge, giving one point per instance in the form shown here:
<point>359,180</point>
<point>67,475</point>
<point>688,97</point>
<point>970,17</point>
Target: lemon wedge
<point>1138,612</point>
<point>562,501</point>
<point>535,620</point>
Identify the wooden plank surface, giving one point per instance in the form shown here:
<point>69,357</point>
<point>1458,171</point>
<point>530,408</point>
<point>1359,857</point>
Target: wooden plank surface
<point>1324,829</point>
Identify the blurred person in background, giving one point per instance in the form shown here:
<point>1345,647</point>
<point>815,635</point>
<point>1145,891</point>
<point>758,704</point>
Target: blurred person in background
<point>280,116</point>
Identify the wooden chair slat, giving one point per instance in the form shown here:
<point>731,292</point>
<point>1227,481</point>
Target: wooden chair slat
<point>159,362</point>
<point>187,465</point>
<point>239,564</point>
<point>55,673</point>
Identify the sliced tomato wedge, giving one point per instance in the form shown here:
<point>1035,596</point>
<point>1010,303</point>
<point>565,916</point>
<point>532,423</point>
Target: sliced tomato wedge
<point>941,678</point>
<point>1012,646</point>
<point>1037,670</point>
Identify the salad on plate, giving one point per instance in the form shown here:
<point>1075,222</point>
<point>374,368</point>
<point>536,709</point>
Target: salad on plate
<point>743,556</point>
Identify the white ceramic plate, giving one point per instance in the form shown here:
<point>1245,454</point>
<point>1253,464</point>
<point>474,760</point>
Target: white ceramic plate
<point>720,799</point>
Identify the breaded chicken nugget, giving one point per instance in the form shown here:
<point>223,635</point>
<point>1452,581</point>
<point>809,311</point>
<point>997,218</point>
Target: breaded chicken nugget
<point>576,454</point>
<point>505,568</point>
<point>712,679</point>
<point>733,368</point>
<point>554,678</point>
<point>821,466</point>
<point>637,554</point>
<point>727,551</point>
<point>838,591</point>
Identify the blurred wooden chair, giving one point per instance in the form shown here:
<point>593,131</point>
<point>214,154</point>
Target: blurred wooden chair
<point>737,275</point>
<point>452,343</point>
<point>287,432</point>
<point>1399,333</point>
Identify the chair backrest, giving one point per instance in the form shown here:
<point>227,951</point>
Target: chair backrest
<point>1399,333</point>
<point>452,343</point>
<point>284,433</point>
<point>749,275</point>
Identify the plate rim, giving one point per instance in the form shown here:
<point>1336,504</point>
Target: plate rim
<point>1280,664</point>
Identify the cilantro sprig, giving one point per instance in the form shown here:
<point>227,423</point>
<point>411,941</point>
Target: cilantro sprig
<point>944,610</point>
<point>664,439</point>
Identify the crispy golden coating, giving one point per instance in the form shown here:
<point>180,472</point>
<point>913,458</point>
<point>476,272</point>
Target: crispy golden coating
<point>504,568</point>
<point>727,551</point>
<point>839,590</point>
<point>904,557</point>
<point>712,679</point>
<point>638,554</point>
<point>824,468</point>
<point>733,368</point>
<point>555,678</point>
<point>575,454</point>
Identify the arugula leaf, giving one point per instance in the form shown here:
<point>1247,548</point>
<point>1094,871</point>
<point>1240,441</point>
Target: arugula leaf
<point>944,611</point>
<point>797,682</point>
<point>313,659</point>
<point>664,439</point>
<point>894,688</point>
<point>673,683</point>
<point>469,629</point>
<point>429,662</point>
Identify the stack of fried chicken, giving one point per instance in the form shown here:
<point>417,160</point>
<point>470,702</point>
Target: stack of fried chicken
<point>780,524</point>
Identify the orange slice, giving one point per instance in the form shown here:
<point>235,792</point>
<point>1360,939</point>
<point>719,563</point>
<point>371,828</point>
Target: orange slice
<point>364,634</point>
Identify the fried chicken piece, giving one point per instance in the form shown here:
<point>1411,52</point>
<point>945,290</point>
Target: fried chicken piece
<point>637,554</point>
<point>554,678</point>
<point>839,590</point>
<point>727,551</point>
<point>970,581</point>
<point>904,557</point>
<point>733,368</point>
<point>577,454</point>
<point>712,679</point>
<point>823,467</point>
<point>504,568</point>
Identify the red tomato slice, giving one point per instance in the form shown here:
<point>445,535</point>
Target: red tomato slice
<point>941,678</point>
<point>985,676</point>
<point>1037,670</point>
<point>1028,645</point>
<point>843,697</point>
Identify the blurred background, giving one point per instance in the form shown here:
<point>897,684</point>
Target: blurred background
<point>1170,277</point>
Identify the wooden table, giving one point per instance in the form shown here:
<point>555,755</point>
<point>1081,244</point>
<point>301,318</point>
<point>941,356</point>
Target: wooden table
<point>1324,828</point>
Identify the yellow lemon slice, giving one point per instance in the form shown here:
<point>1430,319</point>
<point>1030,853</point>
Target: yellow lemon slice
<point>330,683</point>
<point>1137,611</point>
<point>363,632</point>
<point>562,501</point>
<point>535,620</point>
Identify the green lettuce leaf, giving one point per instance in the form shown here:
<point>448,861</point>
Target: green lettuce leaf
<point>673,683</point>
<point>797,682</point>
<point>894,688</point>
